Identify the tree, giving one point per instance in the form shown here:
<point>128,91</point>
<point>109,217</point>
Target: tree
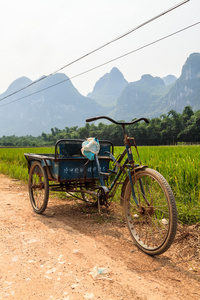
<point>44,136</point>
<point>84,132</point>
<point>167,129</point>
<point>191,132</point>
<point>177,124</point>
<point>187,113</point>
<point>153,131</point>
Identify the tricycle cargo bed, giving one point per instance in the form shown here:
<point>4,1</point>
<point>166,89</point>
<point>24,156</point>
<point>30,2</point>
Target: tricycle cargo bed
<point>69,164</point>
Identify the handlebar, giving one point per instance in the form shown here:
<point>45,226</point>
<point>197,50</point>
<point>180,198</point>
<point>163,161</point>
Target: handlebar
<point>115,122</point>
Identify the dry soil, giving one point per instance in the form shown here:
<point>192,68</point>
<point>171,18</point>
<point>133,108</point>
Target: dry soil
<point>55,255</point>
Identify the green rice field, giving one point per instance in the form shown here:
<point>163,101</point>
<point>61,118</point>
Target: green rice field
<point>178,164</point>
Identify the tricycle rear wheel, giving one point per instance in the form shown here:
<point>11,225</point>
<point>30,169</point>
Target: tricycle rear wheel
<point>38,187</point>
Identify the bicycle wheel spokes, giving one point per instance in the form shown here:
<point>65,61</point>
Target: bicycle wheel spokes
<point>38,187</point>
<point>150,218</point>
<point>151,223</point>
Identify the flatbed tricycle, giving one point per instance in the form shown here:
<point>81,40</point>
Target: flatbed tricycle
<point>93,175</point>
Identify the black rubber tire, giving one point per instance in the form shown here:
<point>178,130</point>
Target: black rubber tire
<point>38,187</point>
<point>153,224</point>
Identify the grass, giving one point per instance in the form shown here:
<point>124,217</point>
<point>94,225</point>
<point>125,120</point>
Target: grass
<point>13,162</point>
<point>178,164</point>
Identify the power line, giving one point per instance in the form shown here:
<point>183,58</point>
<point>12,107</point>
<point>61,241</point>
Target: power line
<point>99,48</point>
<point>105,63</point>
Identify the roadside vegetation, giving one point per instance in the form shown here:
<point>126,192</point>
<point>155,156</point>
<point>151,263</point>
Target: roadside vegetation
<point>178,164</point>
<point>169,129</point>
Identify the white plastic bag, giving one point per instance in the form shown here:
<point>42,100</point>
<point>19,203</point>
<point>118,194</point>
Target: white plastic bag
<point>90,147</point>
<point>100,273</point>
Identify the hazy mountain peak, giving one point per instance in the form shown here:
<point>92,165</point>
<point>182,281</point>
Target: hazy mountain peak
<point>116,74</point>
<point>18,84</point>
<point>62,105</point>
<point>169,79</point>
<point>152,81</point>
<point>109,87</point>
<point>59,106</point>
<point>191,68</point>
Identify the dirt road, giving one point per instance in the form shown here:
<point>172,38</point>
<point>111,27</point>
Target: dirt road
<point>55,255</point>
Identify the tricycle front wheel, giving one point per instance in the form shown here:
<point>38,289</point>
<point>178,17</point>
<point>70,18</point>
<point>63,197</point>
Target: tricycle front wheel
<point>38,187</point>
<point>153,221</point>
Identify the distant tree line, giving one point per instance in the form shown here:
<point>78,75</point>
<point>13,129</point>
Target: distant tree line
<point>168,129</point>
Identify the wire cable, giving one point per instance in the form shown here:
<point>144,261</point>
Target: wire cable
<point>105,63</point>
<point>99,48</point>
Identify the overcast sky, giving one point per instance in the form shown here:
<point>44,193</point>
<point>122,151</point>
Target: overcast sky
<point>39,37</point>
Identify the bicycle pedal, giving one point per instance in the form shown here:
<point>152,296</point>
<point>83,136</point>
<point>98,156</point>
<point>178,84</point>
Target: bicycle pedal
<point>105,174</point>
<point>112,171</point>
